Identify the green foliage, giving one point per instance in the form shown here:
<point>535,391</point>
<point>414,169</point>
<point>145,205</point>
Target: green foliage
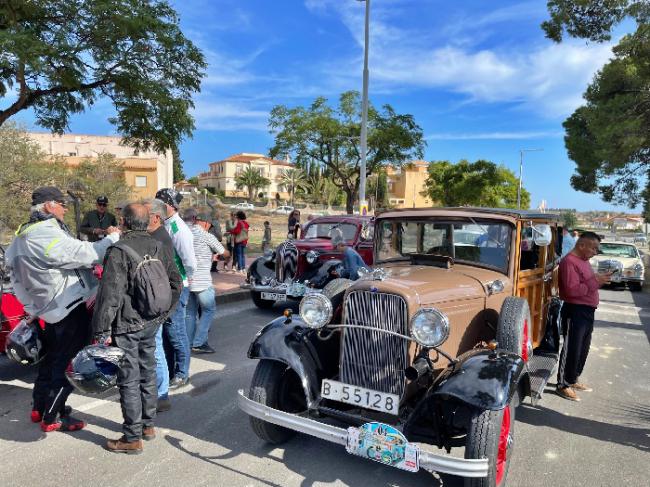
<point>102,175</point>
<point>609,136</point>
<point>481,183</point>
<point>252,180</point>
<point>62,55</point>
<point>193,180</point>
<point>291,180</point>
<point>179,175</point>
<point>569,219</point>
<point>378,189</point>
<point>330,137</point>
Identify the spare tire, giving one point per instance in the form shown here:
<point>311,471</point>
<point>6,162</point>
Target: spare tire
<point>513,330</point>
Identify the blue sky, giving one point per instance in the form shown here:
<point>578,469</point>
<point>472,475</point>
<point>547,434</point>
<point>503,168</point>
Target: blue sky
<point>479,77</point>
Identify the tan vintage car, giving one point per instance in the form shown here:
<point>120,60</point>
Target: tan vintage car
<point>624,260</point>
<point>456,324</point>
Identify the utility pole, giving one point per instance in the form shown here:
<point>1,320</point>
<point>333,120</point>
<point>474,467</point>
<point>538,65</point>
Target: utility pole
<point>521,170</point>
<point>363,204</point>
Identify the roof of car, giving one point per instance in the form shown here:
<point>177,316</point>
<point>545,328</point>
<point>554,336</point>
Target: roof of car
<point>340,218</point>
<point>464,210</point>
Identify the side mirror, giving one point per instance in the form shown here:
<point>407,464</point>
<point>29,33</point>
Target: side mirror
<point>366,232</point>
<point>542,235</point>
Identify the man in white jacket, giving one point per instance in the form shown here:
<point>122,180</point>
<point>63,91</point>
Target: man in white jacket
<point>183,242</point>
<point>51,273</point>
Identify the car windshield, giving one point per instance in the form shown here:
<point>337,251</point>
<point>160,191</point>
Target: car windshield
<point>618,250</point>
<point>324,230</point>
<point>482,243</point>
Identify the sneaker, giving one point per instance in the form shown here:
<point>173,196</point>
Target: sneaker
<point>66,423</point>
<point>163,405</point>
<point>579,386</point>
<point>205,348</point>
<point>148,433</point>
<point>121,445</point>
<point>178,381</point>
<point>567,393</point>
<point>37,416</point>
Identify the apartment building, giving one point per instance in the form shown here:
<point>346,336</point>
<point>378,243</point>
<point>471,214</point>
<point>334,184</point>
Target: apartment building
<point>406,185</point>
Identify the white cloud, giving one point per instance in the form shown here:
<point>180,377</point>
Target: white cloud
<point>494,135</point>
<point>212,113</point>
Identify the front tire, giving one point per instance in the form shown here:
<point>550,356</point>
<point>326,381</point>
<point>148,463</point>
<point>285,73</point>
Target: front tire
<point>635,287</point>
<point>491,435</point>
<point>514,328</point>
<point>259,302</point>
<point>277,386</point>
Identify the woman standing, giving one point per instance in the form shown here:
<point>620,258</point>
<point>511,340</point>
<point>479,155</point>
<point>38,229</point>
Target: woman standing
<point>240,239</point>
<point>230,224</point>
<point>294,224</point>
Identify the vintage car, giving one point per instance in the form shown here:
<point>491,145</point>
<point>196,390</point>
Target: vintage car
<point>298,265</point>
<point>624,260</point>
<point>439,342</point>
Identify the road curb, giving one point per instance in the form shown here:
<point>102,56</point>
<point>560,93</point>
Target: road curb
<point>233,296</point>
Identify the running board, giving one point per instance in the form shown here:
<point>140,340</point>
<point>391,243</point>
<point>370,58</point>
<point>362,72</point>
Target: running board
<point>540,366</point>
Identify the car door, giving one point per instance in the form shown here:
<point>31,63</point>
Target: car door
<point>365,242</point>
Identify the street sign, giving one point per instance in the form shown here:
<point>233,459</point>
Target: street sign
<point>363,207</point>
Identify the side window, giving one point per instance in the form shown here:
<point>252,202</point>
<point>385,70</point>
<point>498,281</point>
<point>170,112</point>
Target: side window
<point>530,253</point>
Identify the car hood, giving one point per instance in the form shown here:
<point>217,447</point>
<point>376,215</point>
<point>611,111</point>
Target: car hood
<point>427,285</point>
<point>626,261</point>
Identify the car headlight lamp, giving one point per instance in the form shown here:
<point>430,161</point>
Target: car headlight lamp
<point>430,327</point>
<point>311,257</point>
<point>316,310</point>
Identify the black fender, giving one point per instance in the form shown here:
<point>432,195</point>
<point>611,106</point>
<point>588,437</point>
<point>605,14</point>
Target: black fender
<point>262,267</point>
<point>319,276</point>
<point>551,340</point>
<point>483,378</point>
<point>291,342</point>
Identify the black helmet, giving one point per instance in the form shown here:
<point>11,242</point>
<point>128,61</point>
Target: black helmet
<point>24,344</point>
<point>94,368</point>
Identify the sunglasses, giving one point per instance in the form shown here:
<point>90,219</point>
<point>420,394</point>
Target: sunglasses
<point>101,204</point>
<point>62,203</point>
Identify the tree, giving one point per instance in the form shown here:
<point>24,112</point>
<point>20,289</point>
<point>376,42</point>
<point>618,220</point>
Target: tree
<point>194,180</point>
<point>179,175</point>
<point>569,219</point>
<point>481,183</point>
<point>59,56</point>
<point>252,180</point>
<point>292,180</point>
<point>330,137</point>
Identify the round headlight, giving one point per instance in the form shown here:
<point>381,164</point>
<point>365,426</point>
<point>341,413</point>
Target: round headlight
<point>637,267</point>
<point>311,257</point>
<point>430,327</point>
<point>316,310</point>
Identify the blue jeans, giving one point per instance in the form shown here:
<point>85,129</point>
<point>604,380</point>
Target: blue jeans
<point>205,301</point>
<point>177,333</point>
<point>162,372</point>
<point>240,259</point>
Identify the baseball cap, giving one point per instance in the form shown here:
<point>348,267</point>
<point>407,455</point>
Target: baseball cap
<point>102,199</point>
<point>170,197</point>
<point>47,193</point>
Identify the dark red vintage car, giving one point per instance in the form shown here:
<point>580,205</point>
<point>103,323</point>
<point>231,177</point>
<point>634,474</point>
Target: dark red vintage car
<point>297,265</point>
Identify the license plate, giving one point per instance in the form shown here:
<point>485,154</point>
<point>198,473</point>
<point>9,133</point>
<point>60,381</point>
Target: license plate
<point>359,396</point>
<point>384,444</point>
<point>274,296</point>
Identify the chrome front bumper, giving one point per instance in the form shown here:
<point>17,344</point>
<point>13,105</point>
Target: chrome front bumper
<point>294,290</point>
<point>428,461</point>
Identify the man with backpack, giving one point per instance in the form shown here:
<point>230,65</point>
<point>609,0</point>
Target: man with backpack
<point>139,288</point>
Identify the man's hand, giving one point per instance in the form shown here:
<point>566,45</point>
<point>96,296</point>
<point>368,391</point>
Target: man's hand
<point>98,231</point>
<point>226,254</point>
<point>605,278</point>
<point>111,230</point>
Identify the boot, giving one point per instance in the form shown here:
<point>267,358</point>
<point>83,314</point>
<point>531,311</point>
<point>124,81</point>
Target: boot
<point>122,446</point>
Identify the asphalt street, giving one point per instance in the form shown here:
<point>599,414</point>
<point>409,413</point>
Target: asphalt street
<point>205,440</point>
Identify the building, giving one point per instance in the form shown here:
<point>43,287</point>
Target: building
<point>221,175</point>
<point>406,185</point>
<point>145,171</point>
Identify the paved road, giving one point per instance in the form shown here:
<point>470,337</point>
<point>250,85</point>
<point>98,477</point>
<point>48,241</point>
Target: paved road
<point>206,440</point>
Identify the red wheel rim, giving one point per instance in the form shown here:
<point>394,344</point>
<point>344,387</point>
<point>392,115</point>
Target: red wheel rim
<point>504,444</point>
<point>524,342</point>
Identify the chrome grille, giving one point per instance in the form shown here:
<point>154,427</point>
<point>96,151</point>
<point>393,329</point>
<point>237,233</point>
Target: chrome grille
<point>370,358</point>
<point>610,265</point>
<point>286,262</point>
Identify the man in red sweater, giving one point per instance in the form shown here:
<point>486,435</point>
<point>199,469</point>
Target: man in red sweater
<point>579,291</point>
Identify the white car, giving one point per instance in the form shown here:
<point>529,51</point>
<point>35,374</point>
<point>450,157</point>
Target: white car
<point>624,260</point>
<point>283,210</point>
<point>243,206</point>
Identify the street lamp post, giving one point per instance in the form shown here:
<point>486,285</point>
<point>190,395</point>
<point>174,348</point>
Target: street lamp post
<point>521,170</point>
<point>363,204</point>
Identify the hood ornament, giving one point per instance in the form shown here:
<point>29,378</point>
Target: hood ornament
<point>377,274</point>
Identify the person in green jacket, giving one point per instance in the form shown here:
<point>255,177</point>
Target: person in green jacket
<point>96,221</point>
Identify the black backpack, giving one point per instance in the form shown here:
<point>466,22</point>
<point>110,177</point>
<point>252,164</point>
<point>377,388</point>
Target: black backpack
<point>150,289</point>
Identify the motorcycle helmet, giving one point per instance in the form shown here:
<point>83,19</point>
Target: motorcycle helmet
<point>94,369</point>
<point>24,344</point>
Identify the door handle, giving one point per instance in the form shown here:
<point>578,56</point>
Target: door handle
<point>548,277</point>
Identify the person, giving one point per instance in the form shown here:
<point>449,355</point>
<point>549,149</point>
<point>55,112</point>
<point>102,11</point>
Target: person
<point>576,235</point>
<point>51,274</point>
<point>266,239</point>
<point>120,320</point>
<point>492,238</point>
<point>579,291</point>
<point>240,241</point>
<point>294,224</point>
<point>157,214</point>
<point>95,222</point>
<point>567,242</point>
<point>202,297</point>
<point>186,263</point>
<point>352,261</point>
<point>215,230</point>
<point>230,224</point>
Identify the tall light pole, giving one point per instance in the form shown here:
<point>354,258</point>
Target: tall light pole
<point>363,204</point>
<point>521,170</point>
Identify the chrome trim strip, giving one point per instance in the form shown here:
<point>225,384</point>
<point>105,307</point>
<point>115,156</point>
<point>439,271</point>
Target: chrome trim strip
<point>428,461</point>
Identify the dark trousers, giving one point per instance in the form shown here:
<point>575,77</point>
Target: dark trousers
<point>136,381</point>
<point>577,327</point>
<point>63,340</point>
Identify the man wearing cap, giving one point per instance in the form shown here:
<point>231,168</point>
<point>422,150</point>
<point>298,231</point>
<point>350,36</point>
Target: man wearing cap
<point>352,261</point>
<point>96,221</point>
<point>186,262</point>
<point>51,273</point>
<point>202,295</point>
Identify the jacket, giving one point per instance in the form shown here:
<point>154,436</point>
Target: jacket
<point>242,225</point>
<point>114,312</point>
<point>92,220</point>
<point>51,271</point>
<point>183,245</point>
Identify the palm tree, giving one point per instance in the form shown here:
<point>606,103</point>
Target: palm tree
<point>291,180</point>
<point>315,188</point>
<point>252,180</point>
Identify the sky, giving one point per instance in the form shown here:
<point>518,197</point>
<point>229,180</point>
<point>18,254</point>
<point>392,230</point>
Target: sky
<point>479,77</point>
